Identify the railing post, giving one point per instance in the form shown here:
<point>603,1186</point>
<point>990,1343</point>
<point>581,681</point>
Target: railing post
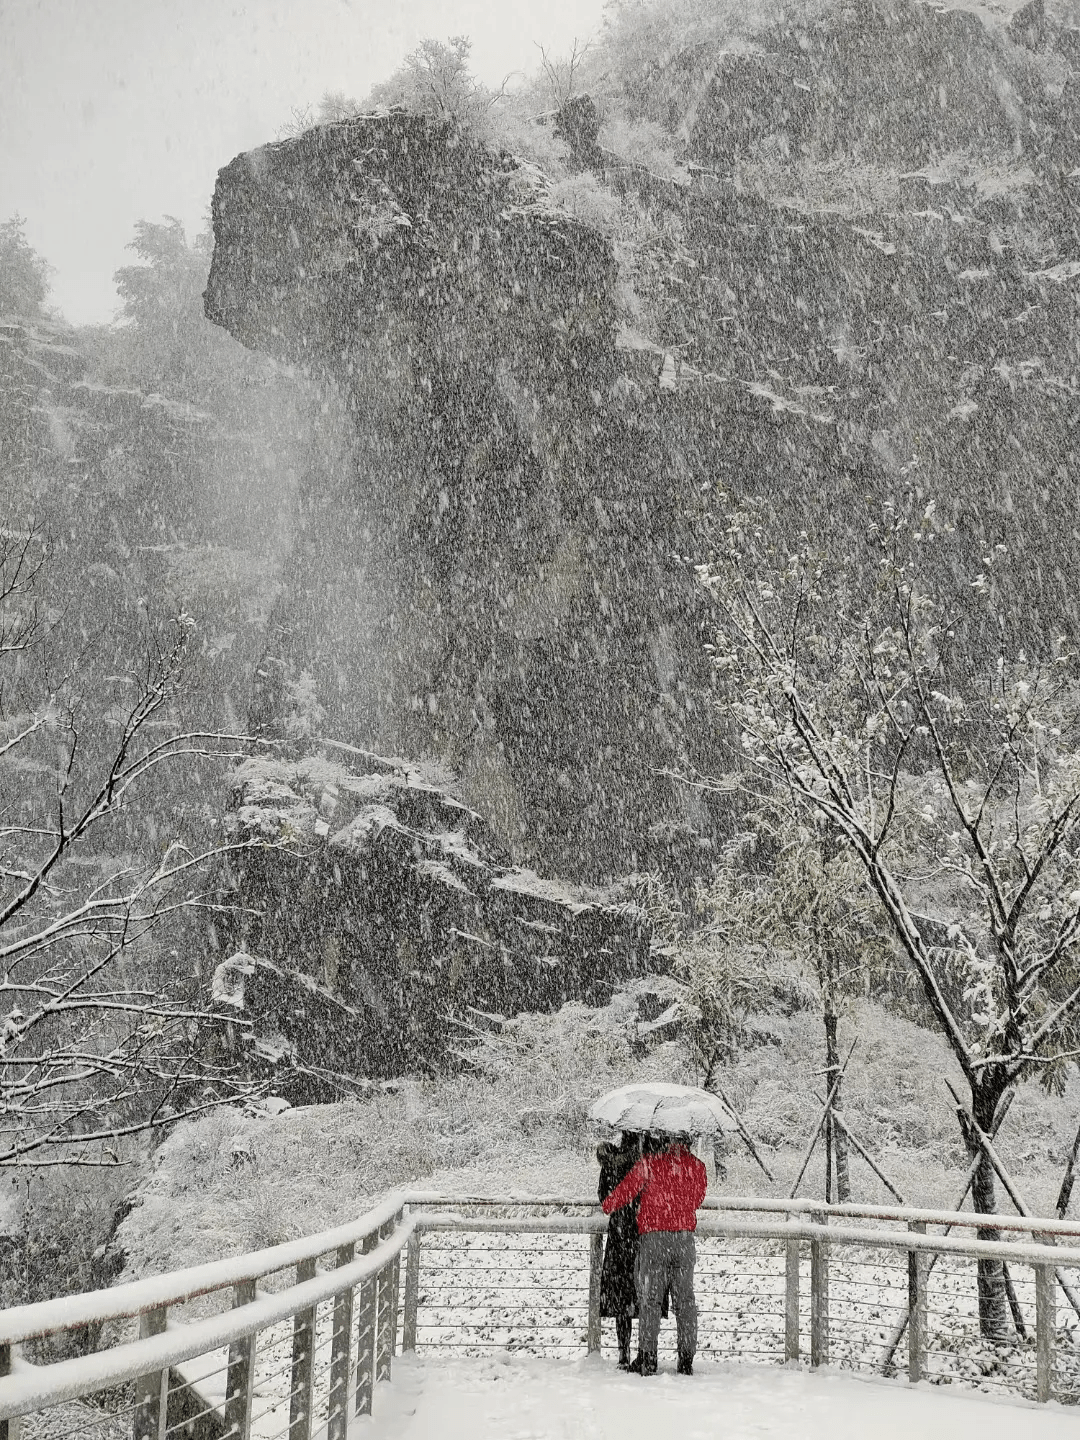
<point>1045,1325</point>
<point>791,1300</point>
<point>395,1292</point>
<point>365,1333</point>
<point>412,1292</point>
<point>152,1390</point>
<point>241,1373</point>
<point>596,1264</point>
<point>385,1312</point>
<point>337,1418</point>
<point>302,1400</point>
<point>9,1429</point>
<point>916,1295</point>
<point>819,1296</point>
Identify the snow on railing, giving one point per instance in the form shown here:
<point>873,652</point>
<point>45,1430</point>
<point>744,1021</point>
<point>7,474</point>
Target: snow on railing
<point>165,1400</point>
<point>524,1272</point>
<point>767,1287</point>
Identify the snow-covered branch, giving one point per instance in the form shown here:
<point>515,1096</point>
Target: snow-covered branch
<point>102,1033</point>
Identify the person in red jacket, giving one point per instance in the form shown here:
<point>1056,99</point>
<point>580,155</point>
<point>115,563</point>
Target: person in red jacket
<point>672,1185</point>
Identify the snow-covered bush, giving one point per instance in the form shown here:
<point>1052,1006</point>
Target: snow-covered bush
<point>589,201</point>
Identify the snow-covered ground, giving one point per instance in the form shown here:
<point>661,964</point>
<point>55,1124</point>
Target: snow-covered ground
<point>504,1397</point>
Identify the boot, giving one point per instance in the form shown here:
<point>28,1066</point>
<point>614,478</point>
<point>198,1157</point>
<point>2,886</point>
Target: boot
<point>622,1331</point>
<point>686,1364</point>
<point>643,1364</point>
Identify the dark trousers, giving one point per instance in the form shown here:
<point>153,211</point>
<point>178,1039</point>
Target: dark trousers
<point>666,1258</point>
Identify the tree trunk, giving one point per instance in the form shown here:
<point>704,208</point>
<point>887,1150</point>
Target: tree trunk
<point>993,1296</point>
<point>839,1147</point>
<point>1065,1193</point>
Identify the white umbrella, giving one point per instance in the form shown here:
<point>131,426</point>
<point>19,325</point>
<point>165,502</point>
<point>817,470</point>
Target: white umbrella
<point>663,1109</point>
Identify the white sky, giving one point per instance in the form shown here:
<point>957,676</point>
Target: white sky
<point>113,111</point>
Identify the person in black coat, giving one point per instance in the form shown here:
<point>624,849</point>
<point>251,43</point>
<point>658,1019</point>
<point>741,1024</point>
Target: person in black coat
<point>618,1297</point>
<point>618,1293</point>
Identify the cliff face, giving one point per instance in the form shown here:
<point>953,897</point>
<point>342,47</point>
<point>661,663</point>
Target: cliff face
<point>124,488</point>
<point>884,230</point>
<point>867,288</point>
<point>489,582</point>
<point>897,81</point>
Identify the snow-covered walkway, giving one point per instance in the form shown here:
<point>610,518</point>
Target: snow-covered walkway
<point>506,1397</point>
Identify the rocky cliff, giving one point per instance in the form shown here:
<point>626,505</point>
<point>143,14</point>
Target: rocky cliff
<point>491,581</point>
<point>861,285</point>
<point>880,242</point>
<point>125,490</point>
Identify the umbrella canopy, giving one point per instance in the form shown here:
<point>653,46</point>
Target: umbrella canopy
<point>663,1109</point>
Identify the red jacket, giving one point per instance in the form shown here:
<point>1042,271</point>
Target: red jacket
<point>674,1186</point>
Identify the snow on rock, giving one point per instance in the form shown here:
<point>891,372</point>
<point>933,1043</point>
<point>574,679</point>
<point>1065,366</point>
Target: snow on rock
<point>362,944</point>
<point>227,986</point>
<point>527,882</point>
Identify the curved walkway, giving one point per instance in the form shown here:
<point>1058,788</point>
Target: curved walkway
<point>504,1397</point>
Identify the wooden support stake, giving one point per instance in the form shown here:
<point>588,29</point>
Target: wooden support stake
<point>791,1301</point>
<point>861,1150</point>
<point>302,1401</point>
<point>744,1134</point>
<point>337,1418</point>
<point>1045,1325</point>
<point>412,1292</point>
<point>819,1296</point>
<point>596,1265</point>
<point>9,1429</point>
<point>1065,1193</point>
<point>1014,1303</point>
<point>821,1123</point>
<point>1014,1195</point>
<point>240,1385</point>
<point>916,1334</point>
<point>151,1391</point>
<point>365,1333</point>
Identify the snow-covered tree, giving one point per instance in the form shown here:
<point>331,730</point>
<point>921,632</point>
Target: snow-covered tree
<point>437,79</point>
<point>949,769</point>
<point>816,907</point>
<point>24,275</point>
<point>172,345</point>
<point>100,1026</point>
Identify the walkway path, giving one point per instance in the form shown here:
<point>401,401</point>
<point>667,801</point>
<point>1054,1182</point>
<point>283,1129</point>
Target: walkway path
<point>519,1398</point>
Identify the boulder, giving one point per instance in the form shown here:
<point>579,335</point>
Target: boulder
<point>379,914</point>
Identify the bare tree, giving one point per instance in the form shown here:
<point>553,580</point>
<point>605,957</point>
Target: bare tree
<point>100,1034</point>
<point>334,106</point>
<point>563,71</point>
<point>953,776</point>
<point>301,118</point>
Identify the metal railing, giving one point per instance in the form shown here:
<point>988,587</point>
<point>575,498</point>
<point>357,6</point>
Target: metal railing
<point>840,1284</point>
<point>353,1269</point>
<point>288,1341</point>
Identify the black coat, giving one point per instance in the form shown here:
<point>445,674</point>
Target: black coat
<point>617,1293</point>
